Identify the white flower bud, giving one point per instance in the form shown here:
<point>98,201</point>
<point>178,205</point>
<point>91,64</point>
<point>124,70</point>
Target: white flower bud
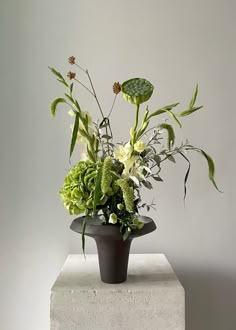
<point>113,218</point>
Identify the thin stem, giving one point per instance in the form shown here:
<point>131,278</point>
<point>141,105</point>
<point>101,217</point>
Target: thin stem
<point>136,117</point>
<point>93,93</point>
<point>135,125</point>
<point>91,83</point>
<point>112,106</point>
<point>80,67</point>
<point>84,86</point>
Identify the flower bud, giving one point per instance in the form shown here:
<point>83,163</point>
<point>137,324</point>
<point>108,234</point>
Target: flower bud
<point>120,206</point>
<point>113,218</point>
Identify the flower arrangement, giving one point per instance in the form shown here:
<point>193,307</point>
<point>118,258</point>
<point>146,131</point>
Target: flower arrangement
<point>108,177</point>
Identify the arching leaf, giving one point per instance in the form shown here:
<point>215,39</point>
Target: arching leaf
<point>187,173</point>
<point>211,165</point>
<point>74,133</point>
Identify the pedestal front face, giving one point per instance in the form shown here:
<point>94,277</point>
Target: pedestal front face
<point>152,298</point>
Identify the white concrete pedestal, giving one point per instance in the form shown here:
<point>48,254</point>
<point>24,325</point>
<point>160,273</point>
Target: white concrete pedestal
<point>152,298</point>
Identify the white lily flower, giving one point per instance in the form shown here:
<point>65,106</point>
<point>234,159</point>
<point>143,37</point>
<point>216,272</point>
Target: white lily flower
<point>139,146</point>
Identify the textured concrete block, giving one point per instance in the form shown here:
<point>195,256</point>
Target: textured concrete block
<point>152,298</point>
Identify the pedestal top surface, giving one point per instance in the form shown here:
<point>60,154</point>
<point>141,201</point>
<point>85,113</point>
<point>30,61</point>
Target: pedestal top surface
<point>145,272</point>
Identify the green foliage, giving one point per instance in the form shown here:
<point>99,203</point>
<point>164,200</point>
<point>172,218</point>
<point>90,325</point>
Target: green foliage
<point>188,112</point>
<point>194,97</point>
<point>166,109</point>
<point>110,180</point>
<point>210,163</point>
<point>191,109</point>
<point>74,133</point>
<point>59,76</point>
<point>187,173</point>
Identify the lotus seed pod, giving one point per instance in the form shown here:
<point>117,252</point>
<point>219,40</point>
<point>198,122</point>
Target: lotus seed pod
<point>137,90</point>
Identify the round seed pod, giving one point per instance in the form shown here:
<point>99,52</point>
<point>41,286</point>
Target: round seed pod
<point>137,90</point>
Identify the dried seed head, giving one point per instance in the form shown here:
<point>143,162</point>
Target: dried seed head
<point>71,60</point>
<point>71,75</point>
<point>116,87</point>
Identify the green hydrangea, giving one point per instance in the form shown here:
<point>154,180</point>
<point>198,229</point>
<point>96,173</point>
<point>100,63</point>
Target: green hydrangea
<point>77,192</point>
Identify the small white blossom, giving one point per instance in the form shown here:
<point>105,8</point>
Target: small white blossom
<point>139,146</point>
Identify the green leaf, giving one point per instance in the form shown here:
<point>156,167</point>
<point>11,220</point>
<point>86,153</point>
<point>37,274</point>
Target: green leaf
<point>83,235</point>
<point>157,178</point>
<point>193,99</point>
<point>157,160</point>
<point>147,184</point>
<point>187,173</point>
<point>162,110</point>
<point>171,134</point>
<point>105,136</point>
<point>126,234</point>
<point>171,114</point>
<point>77,106</point>
<point>54,104</point>
<point>90,154</point>
<point>69,98</point>
<point>171,158</point>
<point>211,166</point>
<point>71,88</point>
<point>188,112</point>
<point>74,133</point>
<point>59,76</point>
<point>97,190</point>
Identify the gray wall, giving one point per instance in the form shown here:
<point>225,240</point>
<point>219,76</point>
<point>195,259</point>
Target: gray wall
<point>174,44</point>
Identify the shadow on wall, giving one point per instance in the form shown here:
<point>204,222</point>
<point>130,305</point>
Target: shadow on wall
<point>210,300</point>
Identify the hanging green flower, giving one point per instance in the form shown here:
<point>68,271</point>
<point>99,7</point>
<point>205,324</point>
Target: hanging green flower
<point>137,90</point>
<point>128,194</point>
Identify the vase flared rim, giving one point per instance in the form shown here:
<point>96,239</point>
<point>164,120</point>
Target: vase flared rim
<point>96,228</point>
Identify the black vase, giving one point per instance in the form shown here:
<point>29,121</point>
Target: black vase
<point>113,251</point>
